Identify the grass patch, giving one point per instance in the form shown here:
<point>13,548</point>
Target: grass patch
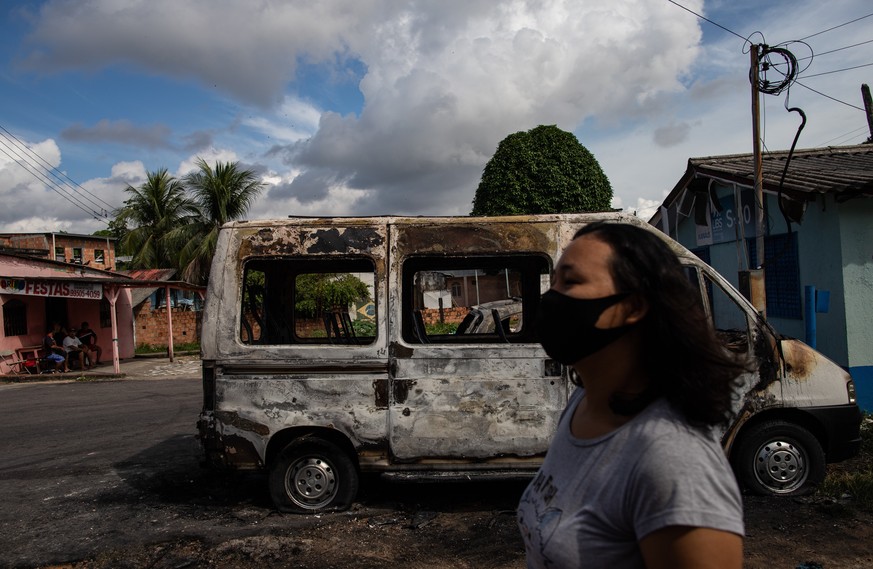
<point>854,477</point>
<point>150,349</point>
<point>438,328</point>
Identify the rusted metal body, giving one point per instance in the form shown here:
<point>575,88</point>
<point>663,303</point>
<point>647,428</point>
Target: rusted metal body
<point>397,404</point>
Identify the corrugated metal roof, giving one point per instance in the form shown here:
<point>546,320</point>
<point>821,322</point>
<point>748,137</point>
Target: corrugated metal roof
<point>150,274</point>
<point>846,171</point>
<point>138,295</point>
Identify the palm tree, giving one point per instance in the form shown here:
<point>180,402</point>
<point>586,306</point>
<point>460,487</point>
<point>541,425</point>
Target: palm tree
<point>154,210</point>
<point>223,193</point>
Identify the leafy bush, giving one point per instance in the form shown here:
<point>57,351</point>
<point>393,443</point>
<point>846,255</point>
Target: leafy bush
<point>364,328</point>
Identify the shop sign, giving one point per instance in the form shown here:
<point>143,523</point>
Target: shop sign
<point>63,289</point>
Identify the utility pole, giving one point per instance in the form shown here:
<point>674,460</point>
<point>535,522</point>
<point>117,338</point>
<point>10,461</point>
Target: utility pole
<point>755,291</point>
<point>868,108</point>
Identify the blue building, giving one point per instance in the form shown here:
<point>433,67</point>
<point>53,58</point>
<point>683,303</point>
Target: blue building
<point>818,246</point>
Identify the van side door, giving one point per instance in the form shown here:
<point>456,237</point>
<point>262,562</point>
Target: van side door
<point>468,378</point>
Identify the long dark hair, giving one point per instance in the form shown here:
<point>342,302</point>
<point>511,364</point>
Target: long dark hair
<point>685,360</point>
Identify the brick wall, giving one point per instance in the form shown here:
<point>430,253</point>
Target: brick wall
<point>151,326</point>
<point>453,315</point>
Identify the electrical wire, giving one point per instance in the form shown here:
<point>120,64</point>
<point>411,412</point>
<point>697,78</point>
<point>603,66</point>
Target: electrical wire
<point>836,50</point>
<point>835,27</point>
<point>26,163</point>
<point>765,85</point>
<point>828,96</point>
<point>708,20</point>
<point>52,185</point>
<point>845,135</point>
<point>837,71</point>
<point>55,172</point>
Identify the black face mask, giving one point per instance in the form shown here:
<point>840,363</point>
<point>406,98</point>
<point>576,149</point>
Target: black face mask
<point>565,326</point>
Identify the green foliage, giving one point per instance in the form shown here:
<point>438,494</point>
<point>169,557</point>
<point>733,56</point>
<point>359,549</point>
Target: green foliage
<point>170,223</point>
<point>317,292</point>
<point>543,170</point>
<point>438,328</point>
<point>854,477</point>
<point>221,194</point>
<point>364,328</point>
<point>153,211</point>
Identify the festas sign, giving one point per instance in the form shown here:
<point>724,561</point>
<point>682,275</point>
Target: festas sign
<point>65,289</point>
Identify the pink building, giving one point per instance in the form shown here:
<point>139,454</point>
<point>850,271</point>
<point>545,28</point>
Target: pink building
<point>35,292</point>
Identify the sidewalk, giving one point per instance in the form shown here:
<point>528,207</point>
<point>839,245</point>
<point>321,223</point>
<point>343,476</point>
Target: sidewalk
<point>142,367</point>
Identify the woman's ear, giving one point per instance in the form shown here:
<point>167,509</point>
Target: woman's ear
<point>638,308</point>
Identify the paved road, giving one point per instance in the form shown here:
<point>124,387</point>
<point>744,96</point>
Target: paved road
<point>76,453</point>
<point>89,467</point>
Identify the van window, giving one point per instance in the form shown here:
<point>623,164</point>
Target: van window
<point>471,299</point>
<point>728,318</point>
<point>308,301</point>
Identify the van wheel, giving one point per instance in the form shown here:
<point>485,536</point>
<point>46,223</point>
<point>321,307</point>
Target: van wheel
<point>777,457</point>
<point>313,475</point>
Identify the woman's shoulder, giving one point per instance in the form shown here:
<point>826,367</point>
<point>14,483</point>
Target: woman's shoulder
<point>663,424</point>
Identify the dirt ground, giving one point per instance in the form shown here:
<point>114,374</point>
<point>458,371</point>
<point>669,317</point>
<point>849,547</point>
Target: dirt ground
<point>467,526</point>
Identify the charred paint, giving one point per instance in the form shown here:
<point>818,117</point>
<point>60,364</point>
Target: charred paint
<point>800,360</point>
<point>380,390</point>
<point>398,350</point>
<point>767,361</point>
<point>468,238</point>
<point>233,419</point>
<point>239,452</point>
<point>351,239</point>
<point>400,389</point>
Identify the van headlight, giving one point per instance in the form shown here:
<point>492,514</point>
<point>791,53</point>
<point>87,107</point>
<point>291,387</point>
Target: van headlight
<point>850,389</point>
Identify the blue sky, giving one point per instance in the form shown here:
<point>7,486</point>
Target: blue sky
<point>357,108</point>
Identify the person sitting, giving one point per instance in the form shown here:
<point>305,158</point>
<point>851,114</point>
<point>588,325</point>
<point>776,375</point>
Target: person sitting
<point>55,355</point>
<point>89,338</point>
<point>76,350</point>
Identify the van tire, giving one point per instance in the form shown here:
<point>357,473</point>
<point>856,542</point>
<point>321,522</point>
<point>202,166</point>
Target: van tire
<point>313,475</point>
<point>779,458</point>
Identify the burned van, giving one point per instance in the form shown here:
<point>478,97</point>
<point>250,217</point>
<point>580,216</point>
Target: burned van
<point>405,346</point>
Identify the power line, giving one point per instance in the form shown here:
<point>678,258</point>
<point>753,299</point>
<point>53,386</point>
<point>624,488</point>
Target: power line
<point>828,96</point>
<point>708,20</point>
<point>850,134</point>
<point>835,27</point>
<point>835,50</point>
<point>837,70</point>
<point>52,185</point>
<point>55,172</point>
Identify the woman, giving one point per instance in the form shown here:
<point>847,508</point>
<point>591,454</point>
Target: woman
<point>635,476</point>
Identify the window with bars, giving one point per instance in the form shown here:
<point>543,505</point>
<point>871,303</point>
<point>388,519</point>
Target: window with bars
<point>781,274</point>
<point>14,318</point>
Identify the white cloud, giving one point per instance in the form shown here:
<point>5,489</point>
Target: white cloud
<point>443,81</point>
<point>211,156</point>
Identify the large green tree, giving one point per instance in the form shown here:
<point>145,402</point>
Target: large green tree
<point>543,170</point>
<point>154,211</point>
<point>221,193</point>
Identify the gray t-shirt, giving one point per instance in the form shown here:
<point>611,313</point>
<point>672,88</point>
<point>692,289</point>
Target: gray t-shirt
<point>594,499</point>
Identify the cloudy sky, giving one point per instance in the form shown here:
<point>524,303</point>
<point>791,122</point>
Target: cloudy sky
<point>348,107</point>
